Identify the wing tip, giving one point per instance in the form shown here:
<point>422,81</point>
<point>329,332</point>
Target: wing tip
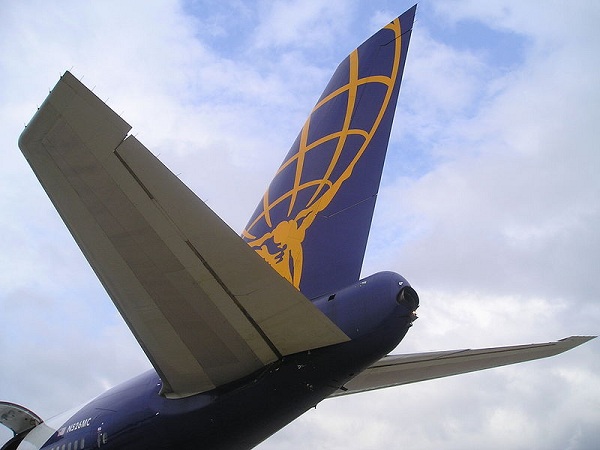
<point>575,341</point>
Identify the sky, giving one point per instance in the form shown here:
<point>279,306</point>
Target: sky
<point>489,203</point>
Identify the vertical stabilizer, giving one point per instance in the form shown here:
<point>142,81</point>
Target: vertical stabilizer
<point>313,222</point>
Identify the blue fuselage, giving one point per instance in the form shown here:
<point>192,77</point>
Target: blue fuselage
<point>242,414</point>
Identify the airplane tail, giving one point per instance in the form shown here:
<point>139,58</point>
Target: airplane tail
<point>313,222</point>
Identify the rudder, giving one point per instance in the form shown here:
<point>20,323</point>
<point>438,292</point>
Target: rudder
<point>313,222</point>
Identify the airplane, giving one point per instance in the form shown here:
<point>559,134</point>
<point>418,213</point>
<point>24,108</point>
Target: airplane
<point>244,333</point>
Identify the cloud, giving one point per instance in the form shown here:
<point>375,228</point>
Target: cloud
<point>297,23</point>
<point>515,182</point>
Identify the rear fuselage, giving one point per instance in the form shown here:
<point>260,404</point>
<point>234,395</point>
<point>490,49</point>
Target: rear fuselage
<point>242,414</point>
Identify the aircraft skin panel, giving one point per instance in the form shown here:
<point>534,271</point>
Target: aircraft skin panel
<point>205,308</point>
<point>313,222</point>
<point>395,370</point>
<point>269,299</point>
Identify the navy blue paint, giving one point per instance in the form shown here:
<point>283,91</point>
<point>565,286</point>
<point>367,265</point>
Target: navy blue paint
<point>334,245</point>
<point>135,416</point>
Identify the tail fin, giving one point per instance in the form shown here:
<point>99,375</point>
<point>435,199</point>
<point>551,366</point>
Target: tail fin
<point>313,222</point>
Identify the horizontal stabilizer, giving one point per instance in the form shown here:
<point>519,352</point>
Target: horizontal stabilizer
<point>206,309</point>
<point>394,370</point>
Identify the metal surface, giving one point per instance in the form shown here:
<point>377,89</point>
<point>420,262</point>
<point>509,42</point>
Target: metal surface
<point>206,309</point>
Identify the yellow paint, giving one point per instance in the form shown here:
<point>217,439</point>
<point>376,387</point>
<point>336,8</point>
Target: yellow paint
<point>288,235</point>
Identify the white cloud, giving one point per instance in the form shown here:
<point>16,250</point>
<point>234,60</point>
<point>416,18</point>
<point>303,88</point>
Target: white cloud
<point>304,24</point>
